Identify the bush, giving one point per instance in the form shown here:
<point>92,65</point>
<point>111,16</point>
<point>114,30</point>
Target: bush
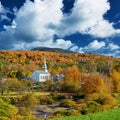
<point>116,95</point>
<point>28,100</point>
<point>93,97</point>
<point>50,101</point>
<point>78,96</point>
<point>23,111</point>
<point>7,100</point>
<point>43,100</point>
<point>54,95</point>
<point>70,87</point>
<point>4,118</point>
<point>62,97</point>
<point>46,100</point>
<point>109,100</point>
<point>105,107</point>
<point>103,99</point>
<point>13,100</point>
<point>67,103</point>
<point>66,113</point>
<point>7,110</point>
<point>91,107</point>
<point>80,106</point>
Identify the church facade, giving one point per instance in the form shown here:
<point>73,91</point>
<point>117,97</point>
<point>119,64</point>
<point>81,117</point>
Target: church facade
<point>41,75</point>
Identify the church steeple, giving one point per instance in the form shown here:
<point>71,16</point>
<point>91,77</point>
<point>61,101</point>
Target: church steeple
<point>45,65</point>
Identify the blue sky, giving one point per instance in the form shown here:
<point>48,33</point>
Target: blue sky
<point>84,26</point>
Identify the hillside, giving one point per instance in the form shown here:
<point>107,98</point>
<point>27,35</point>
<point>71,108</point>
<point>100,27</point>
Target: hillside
<point>27,61</point>
<point>47,49</point>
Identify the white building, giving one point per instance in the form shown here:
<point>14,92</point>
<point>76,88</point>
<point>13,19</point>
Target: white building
<point>41,75</point>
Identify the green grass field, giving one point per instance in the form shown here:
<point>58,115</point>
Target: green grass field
<point>113,114</point>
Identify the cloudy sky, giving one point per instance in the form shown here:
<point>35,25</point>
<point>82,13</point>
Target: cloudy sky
<point>91,26</point>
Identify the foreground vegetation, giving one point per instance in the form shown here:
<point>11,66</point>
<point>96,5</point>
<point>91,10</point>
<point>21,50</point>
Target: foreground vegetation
<point>90,84</point>
<point>113,114</point>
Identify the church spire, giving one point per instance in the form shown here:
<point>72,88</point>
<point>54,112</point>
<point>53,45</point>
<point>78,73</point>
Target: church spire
<point>45,65</point>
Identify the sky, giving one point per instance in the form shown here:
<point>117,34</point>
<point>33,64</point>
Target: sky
<point>83,26</point>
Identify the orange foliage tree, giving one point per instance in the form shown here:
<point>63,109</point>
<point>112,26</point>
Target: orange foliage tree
<point>92,83</point>
<point>72,79</point>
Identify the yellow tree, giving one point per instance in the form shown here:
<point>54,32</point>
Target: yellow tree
<point>72,74</point>
<point>116,81</point>
<point>72,79</point>
<point>12,84</point>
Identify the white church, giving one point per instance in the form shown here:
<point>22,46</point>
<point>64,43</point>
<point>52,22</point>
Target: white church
<point>41,75</point>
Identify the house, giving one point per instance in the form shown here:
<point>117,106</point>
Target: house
<point>58,77</point>
<point>41,75</point>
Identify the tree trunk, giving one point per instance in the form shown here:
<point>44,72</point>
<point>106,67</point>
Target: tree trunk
<point>2,91</point>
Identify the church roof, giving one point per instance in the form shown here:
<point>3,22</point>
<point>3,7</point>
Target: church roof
<point>41,72</point>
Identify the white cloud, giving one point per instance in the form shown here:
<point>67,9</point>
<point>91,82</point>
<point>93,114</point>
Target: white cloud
<point>115,53</point>
<point>103,29</point>
<point>35,20</point>
<point>4,17</point>
<point>1,8</point>
<point>3,13</point>
<point>112,46</point>
<point>34,25</point>
<point>87,18</point>
<point>74,48</point>
<point>15,10</point>
<point>93,46</point>
<point>59,43</point>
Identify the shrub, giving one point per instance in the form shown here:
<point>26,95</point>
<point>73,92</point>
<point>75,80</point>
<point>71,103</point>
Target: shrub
<point>62,97</point>
<point>54,95</point>
<point>4,118</point>
<point>23,111</point>
<point>42,100</point>
<point>28,100</point>
<point>91,107</point>
<point>50,101</point>
<point>109,100</point>
<point>46,100</point>
<point>93,97</point>
<point>66,113</point>
<point>67,103</point>
<point>78,96</point>
<point>103,99</point>
<point>80,106</point>
<point>7,110</point>
<point>116,95</point>
<point>7,100</point>
<point>105,107</point>
<point>70,87</point>
<point>13,100</point>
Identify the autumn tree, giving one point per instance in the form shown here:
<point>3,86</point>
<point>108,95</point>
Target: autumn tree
<point>72,79</point>
<point>72,74</point>
<point>92,83</point>
<point>116,81</point>
<point>28,101</point>
<point>12,85</point>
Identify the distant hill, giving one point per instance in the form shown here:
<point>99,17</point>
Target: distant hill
<point>48,49</point>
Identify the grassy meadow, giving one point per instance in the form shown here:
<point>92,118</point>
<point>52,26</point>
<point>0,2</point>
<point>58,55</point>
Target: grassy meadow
<point>113,114</point>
